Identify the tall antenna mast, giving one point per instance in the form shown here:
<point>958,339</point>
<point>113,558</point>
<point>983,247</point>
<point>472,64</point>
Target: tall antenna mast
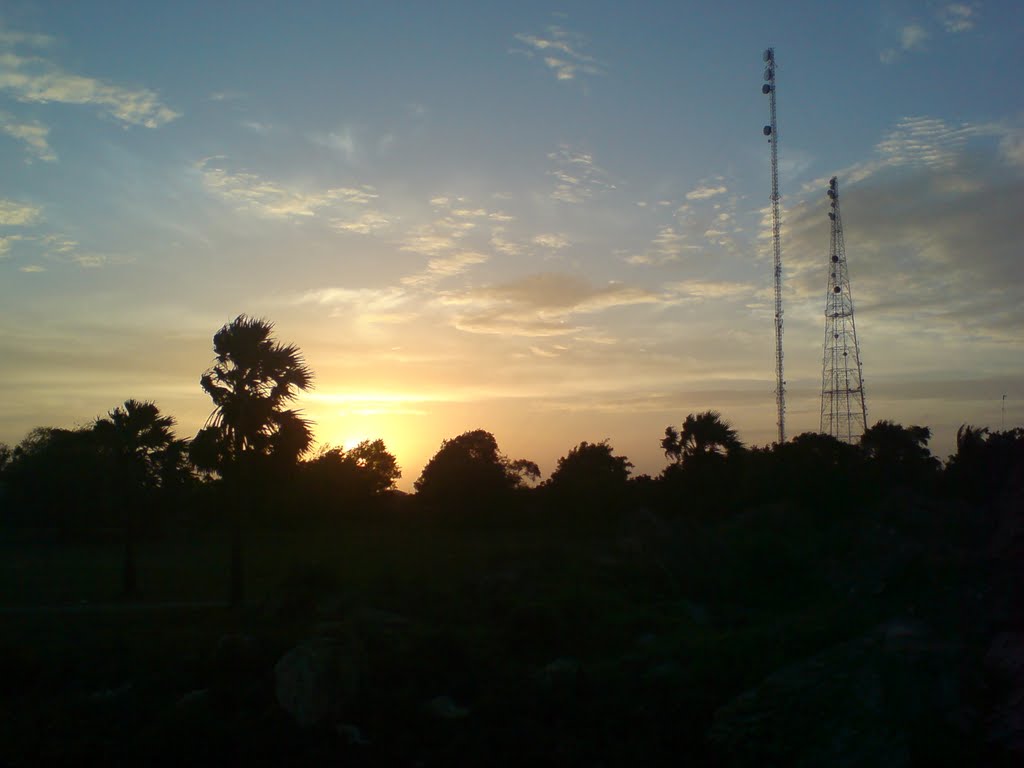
<point>772,132</point>
<point>844,413</point>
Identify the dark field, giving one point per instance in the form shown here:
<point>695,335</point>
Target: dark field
<point>775,636</point>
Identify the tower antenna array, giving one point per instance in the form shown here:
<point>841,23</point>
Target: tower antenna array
<point>844,412</point>
<point>772,132</point>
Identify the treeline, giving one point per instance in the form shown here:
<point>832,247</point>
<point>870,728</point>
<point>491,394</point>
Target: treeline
<point>253,463</point>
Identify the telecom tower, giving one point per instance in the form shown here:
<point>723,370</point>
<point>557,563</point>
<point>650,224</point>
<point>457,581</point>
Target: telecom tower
<point>844,413</point>
<point>772,132</point>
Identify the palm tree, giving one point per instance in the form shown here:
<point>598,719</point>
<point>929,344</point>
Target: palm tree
<point>251,382</point>
<point>703,435</point>
<point>138,442</point>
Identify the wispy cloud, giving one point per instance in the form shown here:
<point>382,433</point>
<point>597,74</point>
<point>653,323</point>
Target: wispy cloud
<point>31,133</point>
<point>931,244</point>
<point>365,307</point>
<point>10,38</point>
<point>924,141</point>
<point>449,265</point>
<point>1012,145</point>
<point>704,192</point>
<point>541,304</point>
<point>700,290</point>
<point>268,199</point>
<point>342,141</point>
<point>457,239</point>
<point>561,51</point>
<point>364,223</point>
<point>226,96</point>
<point>551,240</point>
<point>913,37</point>
<point>577,177</point>
<point>957,17</point>
<point>36,79</point>
<point>667,245</point>
<point>15,214</point>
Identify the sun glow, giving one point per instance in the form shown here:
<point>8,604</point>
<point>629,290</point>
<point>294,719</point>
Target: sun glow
<point>410,434</point>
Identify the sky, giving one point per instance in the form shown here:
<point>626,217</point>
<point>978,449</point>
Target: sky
<point>547,220</point>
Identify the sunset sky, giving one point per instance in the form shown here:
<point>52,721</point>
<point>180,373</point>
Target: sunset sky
<point>544,220</point>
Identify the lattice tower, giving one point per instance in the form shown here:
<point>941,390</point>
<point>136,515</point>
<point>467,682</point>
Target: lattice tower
<point>772,132</point>
<point>844,412</point>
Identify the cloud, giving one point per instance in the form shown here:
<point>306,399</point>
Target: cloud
<point>31,133</point>
<point>15,214</point>
<point>441,267</point>
<point>364,223</point>
<point>504,246</point>
<point>6,242</point>
<point>924,141</point>
<point>33,79</point>
<point>957,17</point>
<point>933,246</point>
<point>1012,145</point>
<point>226,96</point>
<point>58,244</point>
<point>705,192</point>
<point>541,304</point>
<point>366,307</point>
<point>457,239</point>
<point>268,199</point>
<point>343,142</point>
<point>913,37</point>
<point>576,175</point>
<point>10,38</point>
<point>32,268</point>
<point>261,129</point>
<point>551,241</point>
<point>668,245</point>
<point>700,290</point>
<point>90,260</point>
<point>561,51</point>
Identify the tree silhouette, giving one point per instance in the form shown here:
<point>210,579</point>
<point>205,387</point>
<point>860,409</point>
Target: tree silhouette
<point>377,466</point>
<point>984,461</point>
<point>703,435</point>
<point>253,379</point>
<point>471,468</point>
<point>591,475</point>
<point>141,448</point>
<point>335,476</point>
<point>899,453</point>
<point>57,477</point>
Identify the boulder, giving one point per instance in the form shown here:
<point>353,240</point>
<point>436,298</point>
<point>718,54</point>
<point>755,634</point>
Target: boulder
<point>859,703</point>
<point>316,680</point>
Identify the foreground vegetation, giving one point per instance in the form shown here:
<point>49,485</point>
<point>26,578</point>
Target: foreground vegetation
<point>239,597</point>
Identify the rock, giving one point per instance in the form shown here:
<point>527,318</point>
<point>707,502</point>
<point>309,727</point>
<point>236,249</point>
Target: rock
<point>351,733</point>
<point>697,612</point>
<point>1004,663</point>
<point>237,662</point>
<point>316,679</point>
<point>853,704</point>
<point>193,698</point>
<point>445,708</point>
<point>562,672</point>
